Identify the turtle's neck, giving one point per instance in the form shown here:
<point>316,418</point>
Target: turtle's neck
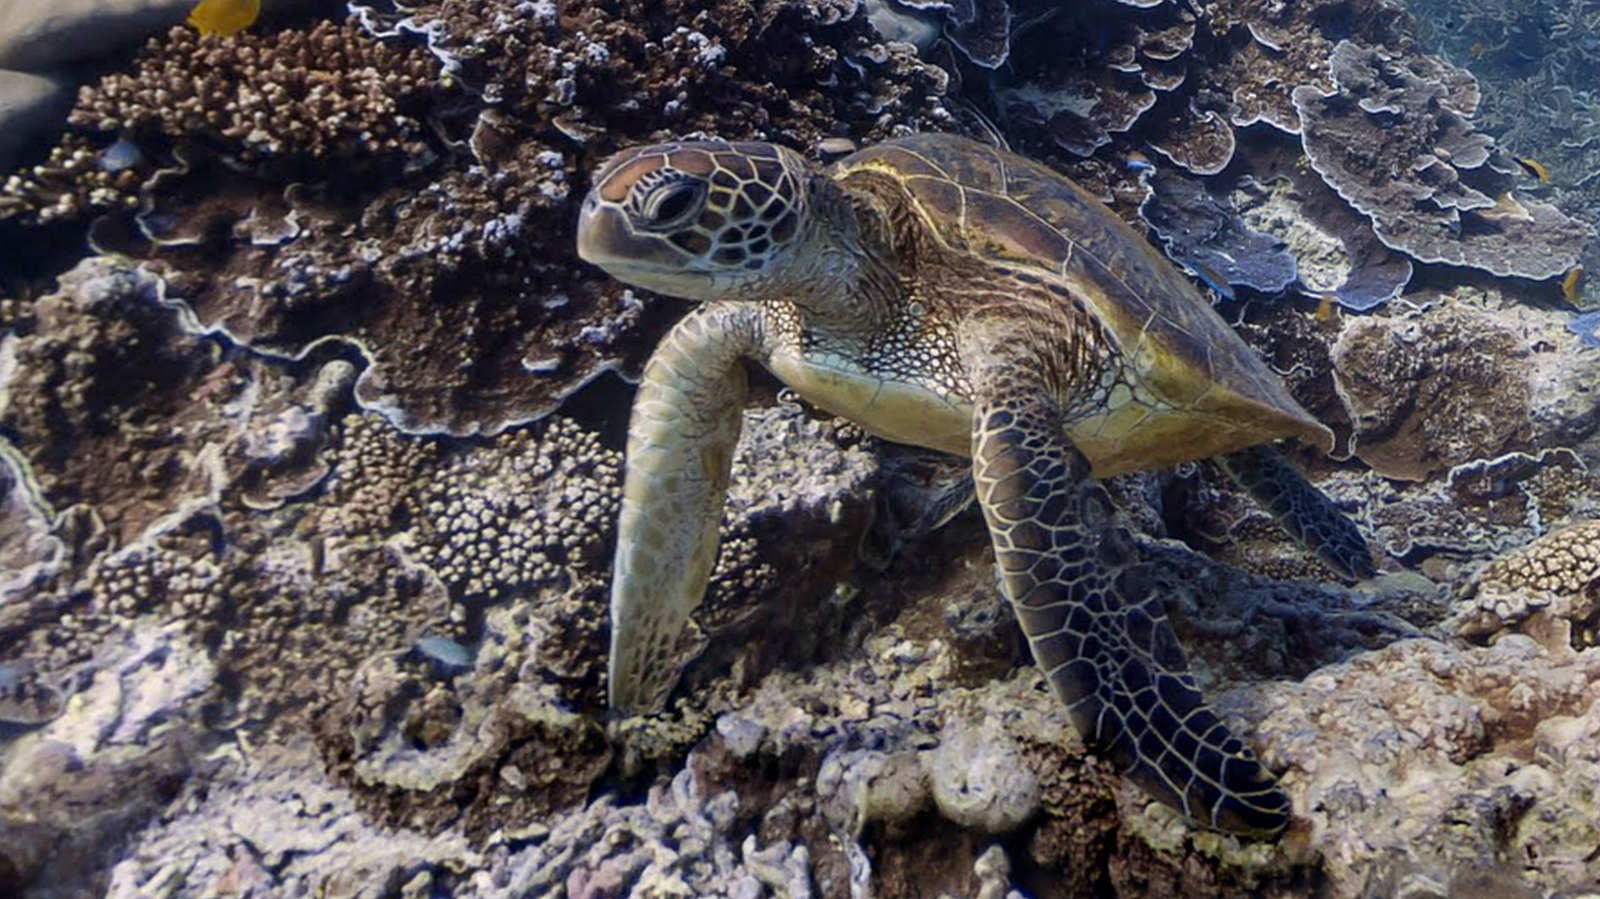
<point>847,280</point>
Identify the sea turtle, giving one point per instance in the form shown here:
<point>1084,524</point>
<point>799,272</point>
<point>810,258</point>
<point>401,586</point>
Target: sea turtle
<point>943,293</point>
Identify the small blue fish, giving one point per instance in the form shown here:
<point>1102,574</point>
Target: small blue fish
<point>1212,278</point>
<point>445,653</point>
<point>1138,162</point>
<point>122,155</point>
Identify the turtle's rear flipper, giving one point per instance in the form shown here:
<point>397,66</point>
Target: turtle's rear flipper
<point>1092,618</point>
<point>1301,509</point>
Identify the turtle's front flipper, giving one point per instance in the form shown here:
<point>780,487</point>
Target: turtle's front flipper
<point>1089,610</point>
<point>685,424</point>
<point>1301,509</point>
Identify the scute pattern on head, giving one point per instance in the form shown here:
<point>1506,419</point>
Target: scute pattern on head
<point>714,209</point>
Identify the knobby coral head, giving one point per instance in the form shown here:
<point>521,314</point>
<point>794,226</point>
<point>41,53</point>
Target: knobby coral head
<point>701,220</point>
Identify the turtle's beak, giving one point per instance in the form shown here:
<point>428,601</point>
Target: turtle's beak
<point>647,261</point>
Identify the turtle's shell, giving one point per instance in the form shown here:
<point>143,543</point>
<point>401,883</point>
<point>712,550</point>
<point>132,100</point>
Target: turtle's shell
<point>1014,212</point>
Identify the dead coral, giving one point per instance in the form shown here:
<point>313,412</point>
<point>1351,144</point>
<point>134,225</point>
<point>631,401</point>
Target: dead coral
<point>93,396</point>
<point>261,824</point>
<point>1396,141</point>
<point>1417,755</point>
<point>497,741</point>
<point>72,792</point>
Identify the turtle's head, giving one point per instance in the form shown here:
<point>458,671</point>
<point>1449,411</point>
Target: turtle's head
<point>702,220</point>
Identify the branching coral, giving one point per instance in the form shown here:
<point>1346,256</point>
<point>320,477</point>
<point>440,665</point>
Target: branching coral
<point>79,178</point>
<point>329,90</point>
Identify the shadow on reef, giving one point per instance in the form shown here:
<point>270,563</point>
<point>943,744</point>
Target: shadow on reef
<point>309,473</point>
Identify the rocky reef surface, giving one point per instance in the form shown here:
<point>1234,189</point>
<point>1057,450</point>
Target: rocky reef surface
<point>310,432</point>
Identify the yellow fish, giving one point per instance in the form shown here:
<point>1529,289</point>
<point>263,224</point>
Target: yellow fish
<point>1534,167</point>
<point>1571,283</point>
<point>224,16</point>
<point>1324,308</point>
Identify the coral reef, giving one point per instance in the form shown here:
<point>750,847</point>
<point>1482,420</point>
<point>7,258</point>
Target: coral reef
<point>307,484</point>
<point>1536,65</point>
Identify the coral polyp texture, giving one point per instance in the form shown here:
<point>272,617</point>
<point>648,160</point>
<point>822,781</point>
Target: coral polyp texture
<point>310,472</point>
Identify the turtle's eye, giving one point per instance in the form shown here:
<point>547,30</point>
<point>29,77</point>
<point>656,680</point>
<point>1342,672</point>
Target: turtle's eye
<point>672,205</point>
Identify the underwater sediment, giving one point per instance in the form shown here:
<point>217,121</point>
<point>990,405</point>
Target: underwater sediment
<point>311,455</point>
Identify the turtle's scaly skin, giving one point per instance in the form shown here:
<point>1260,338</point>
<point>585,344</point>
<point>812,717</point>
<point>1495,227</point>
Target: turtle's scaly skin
<point>945,294</point>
